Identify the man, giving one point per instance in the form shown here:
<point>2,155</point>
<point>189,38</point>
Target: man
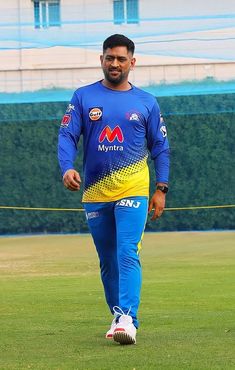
<point>119,123</point>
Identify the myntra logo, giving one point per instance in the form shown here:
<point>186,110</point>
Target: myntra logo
<point>111,135</point>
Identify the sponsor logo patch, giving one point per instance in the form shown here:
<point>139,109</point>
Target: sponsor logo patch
<point>110,148</point>
<point>161,119</point>
<point>163,126</point>
<point>95,114</point>
<point>90,215</point>
<point>70,108</point>
<point>111,135</point>
<point>163,130</point>
<point>66,120</point>
<point>128,203</point>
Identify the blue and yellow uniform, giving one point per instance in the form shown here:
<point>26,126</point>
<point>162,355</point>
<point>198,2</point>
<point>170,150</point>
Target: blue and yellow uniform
<point>118,128</point>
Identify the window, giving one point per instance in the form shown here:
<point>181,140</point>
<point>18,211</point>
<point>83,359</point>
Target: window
<point>132,11</point>
<point>46,13</point>
<point>125,11</point>
<point>118,11</point>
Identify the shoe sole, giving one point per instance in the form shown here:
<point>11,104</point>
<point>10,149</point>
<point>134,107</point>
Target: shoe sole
<point>123,338</point>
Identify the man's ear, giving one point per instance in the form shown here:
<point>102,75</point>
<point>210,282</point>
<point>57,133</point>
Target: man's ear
<point>133,61</point>
<point>101,59</point>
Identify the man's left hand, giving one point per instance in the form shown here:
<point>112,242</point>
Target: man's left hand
<point>157,203</point>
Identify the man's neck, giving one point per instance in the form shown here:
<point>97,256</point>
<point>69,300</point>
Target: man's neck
<point>124,86</point>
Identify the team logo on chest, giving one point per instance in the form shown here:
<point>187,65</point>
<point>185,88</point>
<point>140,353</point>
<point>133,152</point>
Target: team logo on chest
<point>133,116</point>
<point>95,114</point>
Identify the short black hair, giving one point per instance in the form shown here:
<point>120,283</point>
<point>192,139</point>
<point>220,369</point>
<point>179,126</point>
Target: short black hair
<point>119,40</point>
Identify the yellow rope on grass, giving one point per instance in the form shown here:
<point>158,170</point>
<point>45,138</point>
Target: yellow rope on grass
<point>193,208</point>
<point>199,207</point>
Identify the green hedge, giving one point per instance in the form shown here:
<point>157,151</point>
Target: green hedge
<point>201,132</point>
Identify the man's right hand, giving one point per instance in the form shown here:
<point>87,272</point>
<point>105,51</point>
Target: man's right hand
<point>72,180</point>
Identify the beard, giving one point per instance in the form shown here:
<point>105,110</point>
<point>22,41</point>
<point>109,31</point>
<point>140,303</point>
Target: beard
<point>117,79</point>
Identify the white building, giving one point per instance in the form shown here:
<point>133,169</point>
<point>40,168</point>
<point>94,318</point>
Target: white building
<point>56,43</point>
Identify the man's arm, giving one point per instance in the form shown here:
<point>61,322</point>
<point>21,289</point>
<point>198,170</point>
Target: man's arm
<point>70,130</point>
<point>159,148</point>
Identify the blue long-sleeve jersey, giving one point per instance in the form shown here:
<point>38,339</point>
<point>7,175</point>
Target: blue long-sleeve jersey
<point>118,128</point>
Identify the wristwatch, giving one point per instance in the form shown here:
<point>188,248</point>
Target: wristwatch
<point>163,188</point>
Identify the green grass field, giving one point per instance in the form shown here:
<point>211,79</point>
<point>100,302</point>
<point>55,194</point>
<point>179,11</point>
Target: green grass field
<point>53,314</point>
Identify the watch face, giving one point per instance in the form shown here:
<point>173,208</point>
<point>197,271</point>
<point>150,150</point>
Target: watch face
<point>163,188</point>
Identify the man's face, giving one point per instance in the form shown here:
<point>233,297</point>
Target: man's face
<point>116,64</point>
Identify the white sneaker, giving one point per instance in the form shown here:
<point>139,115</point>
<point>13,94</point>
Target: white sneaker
<point>109,334</point>
<point>125,331</point>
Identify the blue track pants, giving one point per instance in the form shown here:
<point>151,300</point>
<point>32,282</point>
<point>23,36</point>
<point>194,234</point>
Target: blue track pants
<point>117,229</point>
